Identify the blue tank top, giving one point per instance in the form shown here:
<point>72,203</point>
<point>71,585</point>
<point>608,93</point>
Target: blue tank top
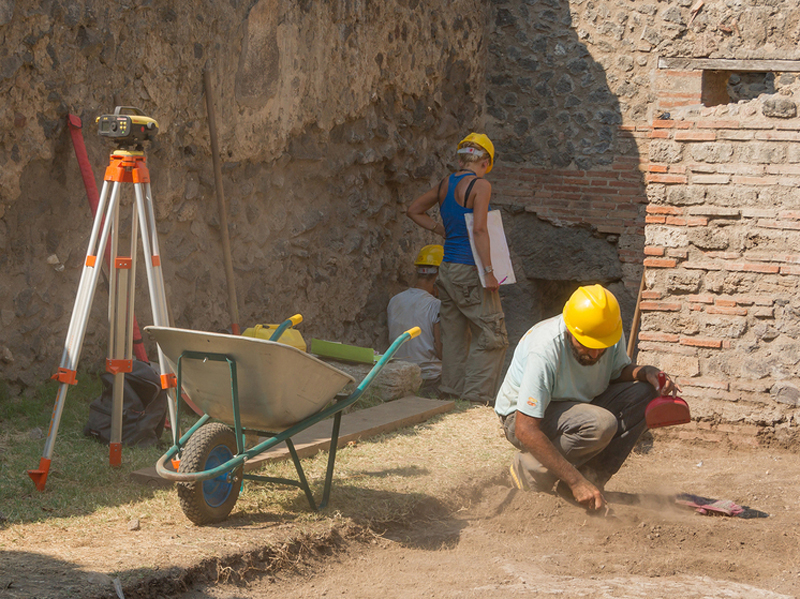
<point>456,244</point>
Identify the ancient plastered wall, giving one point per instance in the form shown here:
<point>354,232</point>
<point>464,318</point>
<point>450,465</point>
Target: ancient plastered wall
<point>331,118</point>
<point>721,308</point>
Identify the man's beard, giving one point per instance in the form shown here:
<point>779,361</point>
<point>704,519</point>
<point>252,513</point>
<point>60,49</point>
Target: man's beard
<point>583,359</point>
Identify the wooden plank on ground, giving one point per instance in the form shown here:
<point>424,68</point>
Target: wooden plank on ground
<point>361,424</point>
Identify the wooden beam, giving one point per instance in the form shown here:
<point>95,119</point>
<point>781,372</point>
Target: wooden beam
<point>724,64</point>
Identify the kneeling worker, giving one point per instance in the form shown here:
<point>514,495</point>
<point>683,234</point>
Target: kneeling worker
<point>418,307</point>
<point>572,402</point>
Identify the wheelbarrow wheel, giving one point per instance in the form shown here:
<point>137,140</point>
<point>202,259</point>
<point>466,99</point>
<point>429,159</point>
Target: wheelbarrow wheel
<point>209,501</point>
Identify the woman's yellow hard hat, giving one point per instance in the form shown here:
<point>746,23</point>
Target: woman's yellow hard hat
<point>484,142</point>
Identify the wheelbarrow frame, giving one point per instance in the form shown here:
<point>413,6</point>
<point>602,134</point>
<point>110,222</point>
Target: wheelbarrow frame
<point>228,468</point>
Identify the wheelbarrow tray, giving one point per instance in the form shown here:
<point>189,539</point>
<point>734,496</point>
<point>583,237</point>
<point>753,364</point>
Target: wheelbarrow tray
<point>278,385</point>
<point>283,391</point>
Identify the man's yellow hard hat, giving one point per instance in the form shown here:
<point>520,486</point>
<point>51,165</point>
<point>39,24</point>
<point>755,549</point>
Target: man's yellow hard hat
<point>592,316</point>
<point>430,255</point>
<point>484,142</point>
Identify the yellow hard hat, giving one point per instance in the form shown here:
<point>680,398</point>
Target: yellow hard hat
<point>430,255</point>
<point>483,141</point>
<point>592,316</point>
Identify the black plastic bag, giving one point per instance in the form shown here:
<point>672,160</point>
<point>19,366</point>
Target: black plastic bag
<point>144,408</point>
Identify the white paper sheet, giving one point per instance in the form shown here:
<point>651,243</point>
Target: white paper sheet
<point>503,271</point>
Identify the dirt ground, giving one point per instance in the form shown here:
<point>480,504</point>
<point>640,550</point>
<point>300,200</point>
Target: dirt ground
<point>486,540</point>
<point>511,543</point>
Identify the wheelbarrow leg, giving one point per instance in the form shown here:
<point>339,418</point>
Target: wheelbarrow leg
<point>301,474</point>
<point>337,420</point>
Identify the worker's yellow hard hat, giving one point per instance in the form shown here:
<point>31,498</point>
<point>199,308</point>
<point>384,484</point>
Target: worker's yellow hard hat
<point>592,316</point>
<point>484,142</point>
<point>430,255</point>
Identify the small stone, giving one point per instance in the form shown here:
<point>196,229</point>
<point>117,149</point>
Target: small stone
<point>6,355</point>
<point>99,578</point>
<point>779,107</point>
<point>134,524</point>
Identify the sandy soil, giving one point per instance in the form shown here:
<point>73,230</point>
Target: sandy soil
<point>511,543</point>
<point>493,541</point>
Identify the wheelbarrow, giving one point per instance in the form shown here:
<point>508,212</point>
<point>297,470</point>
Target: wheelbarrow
<point>249,385</point>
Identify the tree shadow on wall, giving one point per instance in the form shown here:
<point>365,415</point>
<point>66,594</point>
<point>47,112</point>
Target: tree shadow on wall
<point>572,214</point>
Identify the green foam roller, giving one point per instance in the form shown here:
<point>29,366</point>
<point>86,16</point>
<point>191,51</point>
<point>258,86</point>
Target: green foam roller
<point>340,351</point>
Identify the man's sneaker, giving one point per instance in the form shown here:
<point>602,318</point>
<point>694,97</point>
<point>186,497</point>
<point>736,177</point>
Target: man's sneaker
<point>517,480</point>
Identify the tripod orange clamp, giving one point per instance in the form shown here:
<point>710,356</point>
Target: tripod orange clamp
<point>127,167</point>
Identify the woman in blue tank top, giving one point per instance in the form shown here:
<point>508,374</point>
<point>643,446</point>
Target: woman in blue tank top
<point>474,335</point>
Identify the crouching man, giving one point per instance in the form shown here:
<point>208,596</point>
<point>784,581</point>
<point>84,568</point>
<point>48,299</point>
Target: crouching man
<point>572,402</point>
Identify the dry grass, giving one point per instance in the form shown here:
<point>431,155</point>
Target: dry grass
<point>105,522</point>
<point>385,478</point>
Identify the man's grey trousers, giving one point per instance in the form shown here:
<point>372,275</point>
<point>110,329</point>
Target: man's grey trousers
<point>594,437</point>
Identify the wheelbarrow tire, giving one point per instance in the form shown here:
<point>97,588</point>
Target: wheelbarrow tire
<point>209,501</point>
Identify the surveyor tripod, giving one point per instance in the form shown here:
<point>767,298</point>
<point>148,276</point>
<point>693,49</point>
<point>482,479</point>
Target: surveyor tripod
<point>125,167</point>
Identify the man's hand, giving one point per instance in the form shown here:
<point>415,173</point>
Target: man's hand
<point>529,433</point>
<point>669,388</point>
<point>588,495</point>
<point>491,282</point>
<point>632,372</point>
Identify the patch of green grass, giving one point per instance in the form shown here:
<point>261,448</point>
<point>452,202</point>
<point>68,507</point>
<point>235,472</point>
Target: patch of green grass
<point>80,479</point>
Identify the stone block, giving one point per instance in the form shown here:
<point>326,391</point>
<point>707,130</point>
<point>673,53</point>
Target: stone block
<point>665,236</point>
<point>686,195</point>
<point>667,152</point>
<point>762,152</point>
<point>397,379</point>
<point>786,393</point>
<point>708,239</point>
<point>683,282</point>
<point>779,107</point>
<point>677,365</point>
<point>712,152</point>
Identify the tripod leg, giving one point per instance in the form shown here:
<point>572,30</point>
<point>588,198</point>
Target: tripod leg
<point>158,298</point>
<point>77,326</point>
<point>120,359</point>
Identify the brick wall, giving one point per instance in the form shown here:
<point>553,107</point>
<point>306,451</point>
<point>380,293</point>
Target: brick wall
<point>721,309</point>
<point>610,200</point>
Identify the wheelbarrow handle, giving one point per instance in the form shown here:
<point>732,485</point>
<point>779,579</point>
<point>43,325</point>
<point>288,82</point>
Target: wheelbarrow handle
<point>289,322</point>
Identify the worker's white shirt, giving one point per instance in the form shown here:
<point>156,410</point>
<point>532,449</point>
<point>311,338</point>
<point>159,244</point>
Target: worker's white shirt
<point>416,308</point>
<point>543,369</point>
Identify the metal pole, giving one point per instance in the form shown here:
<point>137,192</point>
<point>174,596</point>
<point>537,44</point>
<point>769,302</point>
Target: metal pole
<point>223,218</point>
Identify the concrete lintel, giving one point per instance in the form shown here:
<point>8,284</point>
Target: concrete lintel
<point>726,64</point>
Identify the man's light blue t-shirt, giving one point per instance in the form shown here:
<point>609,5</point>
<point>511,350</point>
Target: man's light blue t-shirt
<point>543,369</point>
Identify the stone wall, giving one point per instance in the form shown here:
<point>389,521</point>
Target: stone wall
<point>573,86</point>
<point>576,94</point>
<point>332,117</point>
<point>722,305</point>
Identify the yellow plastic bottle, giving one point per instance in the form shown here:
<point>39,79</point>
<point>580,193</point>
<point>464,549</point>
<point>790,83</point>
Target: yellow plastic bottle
<point>289,337</point>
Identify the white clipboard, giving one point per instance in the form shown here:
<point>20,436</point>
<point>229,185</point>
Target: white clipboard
<point>503,271</point>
